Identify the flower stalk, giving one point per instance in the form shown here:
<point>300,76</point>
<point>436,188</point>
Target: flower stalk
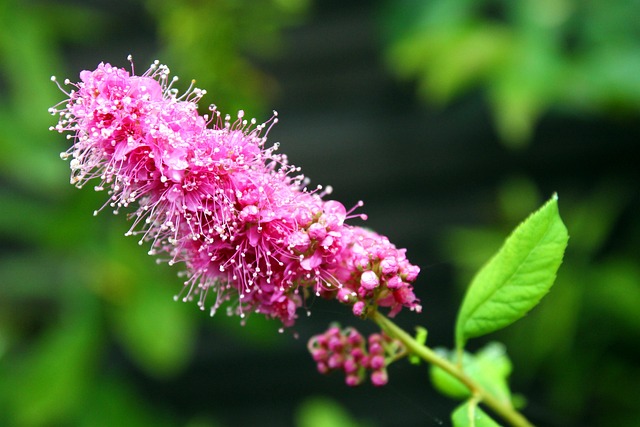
<point>507,412</point>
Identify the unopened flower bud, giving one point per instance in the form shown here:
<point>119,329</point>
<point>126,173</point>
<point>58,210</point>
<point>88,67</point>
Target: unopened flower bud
<point>358,308</point>
<point>377,362</point>
<point>369,280</point>
<point>389,266</point>
<point>379,378</point>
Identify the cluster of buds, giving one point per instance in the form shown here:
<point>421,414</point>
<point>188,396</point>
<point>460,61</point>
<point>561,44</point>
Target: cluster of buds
<point>347,350</point>
<point>376,274</point>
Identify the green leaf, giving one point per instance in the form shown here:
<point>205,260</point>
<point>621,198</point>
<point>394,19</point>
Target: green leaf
<point>447,384</point>
<point>470,415</point>
<point>517,277</point>
<point>490,367</point>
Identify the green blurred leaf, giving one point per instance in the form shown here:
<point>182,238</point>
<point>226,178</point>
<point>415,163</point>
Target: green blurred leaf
<point>470,415</point>
<point>323,412</point>
<point>24,218</point>
<point>593,219</point>
<point>490,367</point>
<point>113,402</point>
<point>518,195</point>
<point>216,54</point>
<point>527,56</point>
<point>516,278</point>
<point>26,62</point>
<point>615,293</point>
<point>453,60</point>
<point>50,381</point>
<point>445,383</point>
<point>156,331</point>
<point>525,84</point>
<point>470,248</point>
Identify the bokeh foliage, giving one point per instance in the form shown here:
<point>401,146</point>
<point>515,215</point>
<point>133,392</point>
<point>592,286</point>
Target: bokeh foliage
<point>527,57</point>
<point>212,40</point>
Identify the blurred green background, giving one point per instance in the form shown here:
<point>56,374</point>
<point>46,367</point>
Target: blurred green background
<point>451,119</point>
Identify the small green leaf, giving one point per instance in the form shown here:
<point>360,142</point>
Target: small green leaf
<point>517,277</point>
<point>470,415</point>
<point>490,367</point>
<point>447,384</point>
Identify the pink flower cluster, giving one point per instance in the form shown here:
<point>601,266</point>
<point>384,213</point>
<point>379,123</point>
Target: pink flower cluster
<point>206,191</point>
<point>345,350</point>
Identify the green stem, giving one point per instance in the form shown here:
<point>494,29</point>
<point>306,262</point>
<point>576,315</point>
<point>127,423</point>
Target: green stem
<point>506,411</point>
